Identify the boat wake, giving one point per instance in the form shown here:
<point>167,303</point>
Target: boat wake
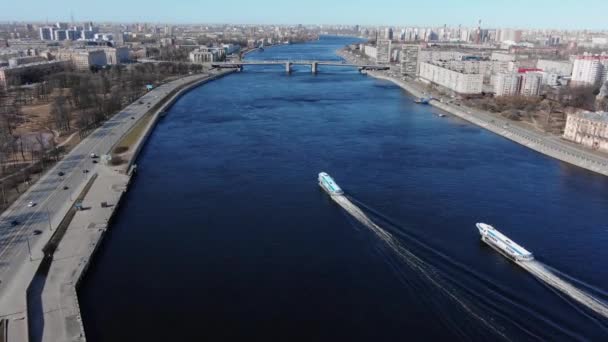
<point>474,290</point>
<point>411,259</point>
<point>547,276</point>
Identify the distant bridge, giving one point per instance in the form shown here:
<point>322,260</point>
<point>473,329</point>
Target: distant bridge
<point>314,65</point>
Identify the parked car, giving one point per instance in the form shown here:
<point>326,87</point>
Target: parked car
<point>85,171</point>
<point>61,174</point>
<point>37,232</point>
<point>94,161</point>
<point>93,155</point>
<point>14,223</point>
<point>65,187</point>
<point>31,204</point>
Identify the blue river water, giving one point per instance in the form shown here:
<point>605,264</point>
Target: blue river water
<point>225,235</point>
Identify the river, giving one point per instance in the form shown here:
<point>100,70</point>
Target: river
<point>225,235</point>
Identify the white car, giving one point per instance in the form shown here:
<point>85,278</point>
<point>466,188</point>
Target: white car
<point>31,204</point>
<point>93,155</point>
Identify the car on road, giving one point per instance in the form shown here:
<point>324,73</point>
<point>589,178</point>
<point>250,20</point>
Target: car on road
<point>31,204</point>
<point>37,232</point>
<point>14,223</point>
<point>61,174</point>
<point>85,171</point>
<point>93,155</point>
<point>65,187</point>
<point>94,161</point>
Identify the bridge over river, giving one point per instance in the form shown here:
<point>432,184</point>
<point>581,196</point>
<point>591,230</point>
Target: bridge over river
<point>314,65</point>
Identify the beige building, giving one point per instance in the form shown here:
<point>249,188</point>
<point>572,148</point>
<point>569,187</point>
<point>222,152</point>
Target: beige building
<point>458,81</point>
<point>83,59</point>
<point>29,73</point>
<point>589,129</point>
<point>207,55</point>
<point>15,61</point>
<point>115,55</point>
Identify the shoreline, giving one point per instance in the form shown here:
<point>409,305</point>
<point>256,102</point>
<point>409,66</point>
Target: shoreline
<point>51,296</point>
<point>552,146</point>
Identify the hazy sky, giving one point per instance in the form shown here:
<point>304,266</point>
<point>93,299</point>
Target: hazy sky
<point>494,13</point>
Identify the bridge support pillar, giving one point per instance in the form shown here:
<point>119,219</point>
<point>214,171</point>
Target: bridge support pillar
<point>288,67</point>
<point>313,67</point>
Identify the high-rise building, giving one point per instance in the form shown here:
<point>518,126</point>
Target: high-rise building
<point>384,51</point>
<point>409,59</point>
<point>46,33</point>
<point>510,35</point>
<point>590,69</point>
<point>518,83</point>
<point>72,34</point>
<point>507,84</point>
<point>530,83</point>
<point>86,34</point>
<point>388,33</point>
<point>60,35</point>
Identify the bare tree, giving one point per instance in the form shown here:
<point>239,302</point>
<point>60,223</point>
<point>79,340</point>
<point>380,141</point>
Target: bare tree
<point>61,114</point>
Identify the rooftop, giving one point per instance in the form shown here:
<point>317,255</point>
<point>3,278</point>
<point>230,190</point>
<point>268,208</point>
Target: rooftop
<point>21,66</point>
<point>593,116</point>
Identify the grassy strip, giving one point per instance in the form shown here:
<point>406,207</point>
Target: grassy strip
<point>51,246</point>
<point>133,135</point>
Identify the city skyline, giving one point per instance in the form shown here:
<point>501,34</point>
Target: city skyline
<point>538,14</point>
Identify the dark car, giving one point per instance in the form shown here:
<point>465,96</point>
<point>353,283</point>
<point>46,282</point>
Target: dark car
<point>14,223</point>
<point>61,173</point>
<point>37,232</point>
<point>94,161</point>
<point>85,171</point>
<point>65,187</point>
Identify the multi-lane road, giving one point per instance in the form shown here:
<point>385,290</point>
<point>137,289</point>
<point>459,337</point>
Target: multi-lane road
<point>25,229</point>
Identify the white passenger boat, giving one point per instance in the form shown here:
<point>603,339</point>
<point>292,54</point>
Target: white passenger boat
<point>329,185</point>
<point>503,244</point>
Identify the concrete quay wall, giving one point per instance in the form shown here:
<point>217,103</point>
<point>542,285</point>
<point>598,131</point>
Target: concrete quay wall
<point>57,305</point>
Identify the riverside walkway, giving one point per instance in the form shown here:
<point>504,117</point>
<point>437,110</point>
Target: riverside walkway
<point>21,246</point>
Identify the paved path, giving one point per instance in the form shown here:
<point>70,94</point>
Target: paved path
<point>53,306</point>
<point>20,223</point>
